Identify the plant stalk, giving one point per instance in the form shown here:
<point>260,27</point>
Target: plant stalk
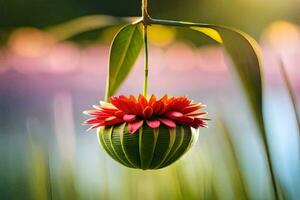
<point>145,19</point>
<point>145,92</point>
<point>149,21</point>
<point>144,8</point>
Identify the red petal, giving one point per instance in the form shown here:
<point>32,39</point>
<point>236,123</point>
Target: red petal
<point>94,126</point>
<point>129,106</point>
<point>132,107</point>
<point>191,108</point>
<point>92,112</point>
<point>168,122</point>
<point>115,101</point>
<point>125,106</point>
<point>132,99</point>
<point>178,103</point>
<point>119,114</point>
<point>167,110</point>
<point>153,123</point>
<point>139,109</point>
<point>143,101</point>
<point>103,115</point>
<point>173,114</point>
<point>112,121</point>
<point>108,111</point>
<point>195,114</point>
<point>200,121</point>
<point>152,100</point>
<point>122,97</point>
<point>134,126</point>
<point>197,122</point>
<point>147,112</point>
<point>129,118</point>
<point>91,121</point>
<point>158,107</point>
<point>185,119</point>
<point>164,99</point>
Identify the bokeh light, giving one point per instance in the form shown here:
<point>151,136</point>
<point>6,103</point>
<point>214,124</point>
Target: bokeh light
<point>184,54</point>
<point>30,42</point>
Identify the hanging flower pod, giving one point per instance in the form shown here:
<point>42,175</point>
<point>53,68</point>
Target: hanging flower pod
<point>147,134</point>
<point>148,148</point>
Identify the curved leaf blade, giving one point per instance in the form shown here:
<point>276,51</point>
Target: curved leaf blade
<point>124,51</point>
<point>245,56</point>
<point>244,53</point>
<point>76,26</point>
<point>213,34</point>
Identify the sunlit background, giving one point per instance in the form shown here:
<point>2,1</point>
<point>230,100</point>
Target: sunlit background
<point>53,65</point>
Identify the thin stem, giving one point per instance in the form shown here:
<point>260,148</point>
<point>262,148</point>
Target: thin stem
<point>144,7</point>
<point>174,23</point>
<point>146,62</point>
<point>145,15</point>
<point>145,19</point>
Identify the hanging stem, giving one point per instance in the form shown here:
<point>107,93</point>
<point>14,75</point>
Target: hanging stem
<point>146,62</point>
<point>145,18</point>
<point>145,14</point>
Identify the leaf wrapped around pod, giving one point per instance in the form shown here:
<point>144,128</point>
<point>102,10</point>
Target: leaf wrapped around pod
<point>148,148</point>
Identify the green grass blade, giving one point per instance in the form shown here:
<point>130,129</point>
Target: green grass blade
<point>235,161</point>
<point>291,93</point>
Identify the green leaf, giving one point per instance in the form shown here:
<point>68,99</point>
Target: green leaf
<point>83,24</point>
<point>244,53</point>
<point>245,56</point>
<point>124,51</point>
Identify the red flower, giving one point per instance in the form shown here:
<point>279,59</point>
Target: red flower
<point>167,110</point>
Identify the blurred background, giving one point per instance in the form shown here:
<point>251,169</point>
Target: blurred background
<point>53,65</point>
